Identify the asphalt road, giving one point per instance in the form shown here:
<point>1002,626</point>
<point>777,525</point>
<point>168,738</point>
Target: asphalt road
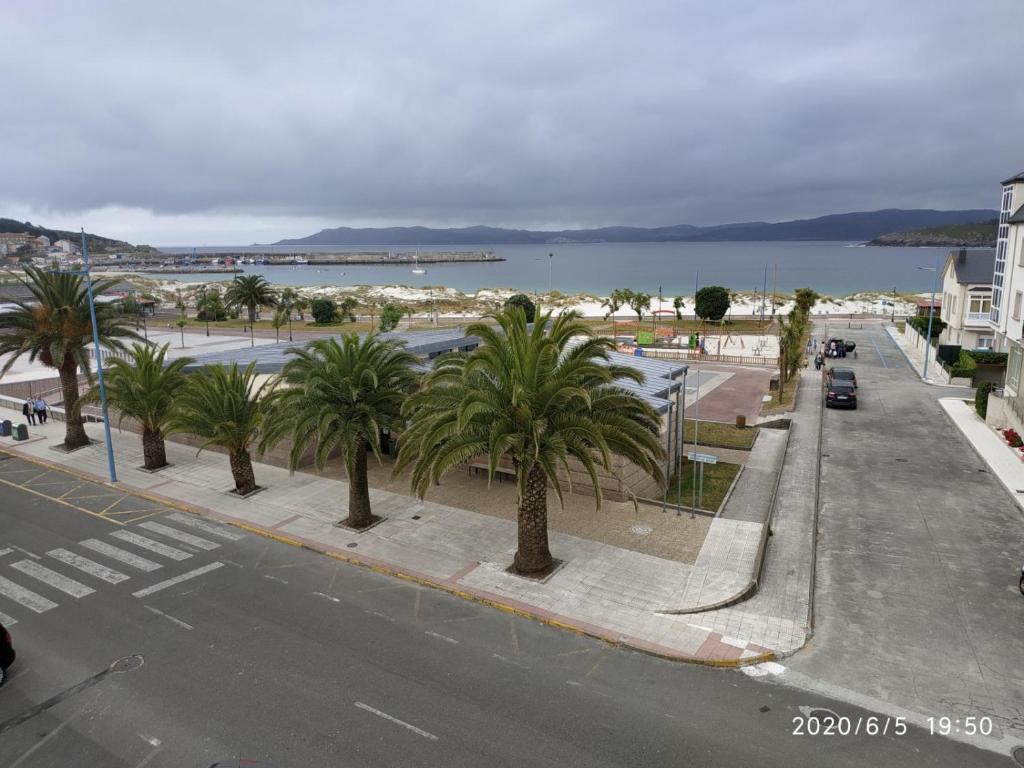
<point>254,649</point>
<point>918,556</point>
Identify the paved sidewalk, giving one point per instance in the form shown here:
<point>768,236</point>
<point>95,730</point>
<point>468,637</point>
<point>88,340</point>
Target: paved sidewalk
<point>915,359</point>
<point>602,590</point>
<point>1004,462</point>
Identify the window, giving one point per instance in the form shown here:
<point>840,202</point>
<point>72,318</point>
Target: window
<point>980,304</point>
<point>1013,368</point>
<point>1018,298</point>
<point>985,342</point>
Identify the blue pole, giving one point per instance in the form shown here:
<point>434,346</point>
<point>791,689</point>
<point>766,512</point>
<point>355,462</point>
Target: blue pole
<point>931,314</point>
<point>99,362</point>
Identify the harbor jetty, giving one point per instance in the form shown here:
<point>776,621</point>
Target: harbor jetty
<point>227,261</point>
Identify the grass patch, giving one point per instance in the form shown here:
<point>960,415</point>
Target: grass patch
<point>720,435</point>
<point>788,396</point>
<point>717,481</point>
<point>625,326</point>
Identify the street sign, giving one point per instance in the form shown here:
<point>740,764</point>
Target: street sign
<point>702,458</point>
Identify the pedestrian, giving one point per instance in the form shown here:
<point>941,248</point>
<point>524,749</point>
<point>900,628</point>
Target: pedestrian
<point>41,410</point>
<point>818,361</point>
<point>28,410</point>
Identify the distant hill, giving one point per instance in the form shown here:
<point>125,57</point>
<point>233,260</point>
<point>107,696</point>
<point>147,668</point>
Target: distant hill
<point>981,234</point>
<point>95,242</point>
<point>841,226</point>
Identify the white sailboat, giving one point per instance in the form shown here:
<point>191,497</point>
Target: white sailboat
<point>417,269</point>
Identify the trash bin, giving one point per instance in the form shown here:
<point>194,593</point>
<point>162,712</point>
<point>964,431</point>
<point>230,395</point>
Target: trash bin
<point>741,420</point>
<point>20,432</point>
<point>5,428</point>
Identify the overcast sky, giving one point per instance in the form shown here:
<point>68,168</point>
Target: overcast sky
<point>180,123</point>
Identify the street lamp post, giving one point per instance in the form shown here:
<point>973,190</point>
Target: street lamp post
<point>99,361</point>
<point>205,309</point>
<point>893,318</point>
<point>551,261</point>
<point>931,314</point>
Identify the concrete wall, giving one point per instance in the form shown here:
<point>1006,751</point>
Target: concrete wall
<point>935,369</point>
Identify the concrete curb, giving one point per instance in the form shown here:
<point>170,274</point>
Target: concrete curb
<point>491,600</point>
<point>750,588</point>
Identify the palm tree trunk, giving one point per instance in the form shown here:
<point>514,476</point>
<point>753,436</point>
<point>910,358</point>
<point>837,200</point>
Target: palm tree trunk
<point>252,314</point>
<point>533,558</point>
<point>359,514</point>
<point>74,428</point>
<point>241,470</point>
<point>154,453</point>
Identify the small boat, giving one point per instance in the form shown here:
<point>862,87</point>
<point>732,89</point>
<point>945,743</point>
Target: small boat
<point>301,260</point>
<point>417,269</point>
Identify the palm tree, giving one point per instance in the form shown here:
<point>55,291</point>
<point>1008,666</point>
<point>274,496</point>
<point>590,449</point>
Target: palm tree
<point>54,327</point>
<point>526,394</point>
<point>340,395</point>
<point>250,291</point>
<point>639,302</point>
<point>678,304</point>
<point>144,389</point>
<point>282,317</point>
<point>223,406</point>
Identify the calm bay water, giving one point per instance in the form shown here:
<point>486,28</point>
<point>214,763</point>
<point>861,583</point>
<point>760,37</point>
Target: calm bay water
<point>828,267</point>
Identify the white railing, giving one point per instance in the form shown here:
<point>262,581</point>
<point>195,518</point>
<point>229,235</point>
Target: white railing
<point>976,318</point>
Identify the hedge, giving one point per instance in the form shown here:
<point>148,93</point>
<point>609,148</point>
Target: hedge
<point>981,397</point>
<point>965,367</point>
<point>920,324</point>
<point>984,357</point>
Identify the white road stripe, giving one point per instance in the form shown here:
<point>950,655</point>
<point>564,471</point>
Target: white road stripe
<point>114,553</point>
<point>442,637</point>
<point>152,546</point>
<point>396,721</point>
<point>177,579</point>
<point>5,551</point>
<point>26,597</point>
<point>7,621</point>
<point>328,597</point>
<point>202,525</point>
<point>173,533</point>
<point>91,567</point>
<point>53,579</point>
<point>168,616</point>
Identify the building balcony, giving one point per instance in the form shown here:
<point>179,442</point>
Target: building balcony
<point>979,319</point>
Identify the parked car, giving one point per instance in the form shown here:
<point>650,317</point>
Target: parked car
<point>842,374</point>
<point>840,394</point>
<point>6,652</point>
<point>842,347</point>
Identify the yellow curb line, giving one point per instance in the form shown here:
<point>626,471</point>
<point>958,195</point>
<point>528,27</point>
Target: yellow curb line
<point>422,581</point>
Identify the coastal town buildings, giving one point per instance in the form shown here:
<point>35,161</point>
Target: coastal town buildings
<point>66,246</point>
<point>967,298</point>
<point>1007,313</point>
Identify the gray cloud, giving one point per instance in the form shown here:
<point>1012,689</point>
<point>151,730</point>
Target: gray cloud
<point>519,113</point>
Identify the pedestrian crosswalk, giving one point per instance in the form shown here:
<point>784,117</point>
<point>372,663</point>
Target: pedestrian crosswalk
<point>32,584</point>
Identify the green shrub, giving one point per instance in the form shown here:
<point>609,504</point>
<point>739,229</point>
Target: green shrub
<point>323,310</point>
<point>920,324</point>
<point>984,357</point>
<point>390,314</point>
<point>964,368</point>
<point>522,300</point>
<point>981,397</point>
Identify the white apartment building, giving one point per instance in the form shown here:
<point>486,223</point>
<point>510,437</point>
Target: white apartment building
<point>967,298</point>
<point>66,246</point>
<point>1007,318</point>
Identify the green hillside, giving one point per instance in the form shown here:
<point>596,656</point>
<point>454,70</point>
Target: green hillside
<point>981,234</point>
<point>96,243</point>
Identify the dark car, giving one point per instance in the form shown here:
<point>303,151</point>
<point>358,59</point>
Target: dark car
<point>842,347</point>
<point>6,652</point>
<point>840,394</point>
<point>843,374</point>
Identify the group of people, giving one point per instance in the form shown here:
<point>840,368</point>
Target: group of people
<point>34,408</point>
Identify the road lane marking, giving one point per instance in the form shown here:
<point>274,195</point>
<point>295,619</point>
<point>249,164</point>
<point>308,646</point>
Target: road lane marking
<point>762,669</point>
<point>879,352</point>
<point>86,565</point>
<point>53,579</point>
<point>177,579</point>
<point>202,525</point>
<point>168,616</point>
<point>442,637</point>
<point>5,551</point>
<point>274,578</point>
<point>396,721</point>
<point>25,597</point>
<point>33,555</point>
<point>507,660</point>
<point>39,744</point>
<point>152,546</point>
<point>379,615</point>
<point>174,533</point>
<point>7,621</point>
<point>327,597</point>
<point>114,553</point>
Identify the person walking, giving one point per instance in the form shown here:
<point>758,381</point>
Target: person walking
<point>41,410</point>
<point>28,410</point>
<point>818,361</point>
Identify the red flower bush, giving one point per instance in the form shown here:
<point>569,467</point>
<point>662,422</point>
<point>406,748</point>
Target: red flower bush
<point>1013,438</point>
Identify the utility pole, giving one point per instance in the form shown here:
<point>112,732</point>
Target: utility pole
<point>99,361</point>
<point>551,261</point>
<point>893,318</point>
<point>764,292</point>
